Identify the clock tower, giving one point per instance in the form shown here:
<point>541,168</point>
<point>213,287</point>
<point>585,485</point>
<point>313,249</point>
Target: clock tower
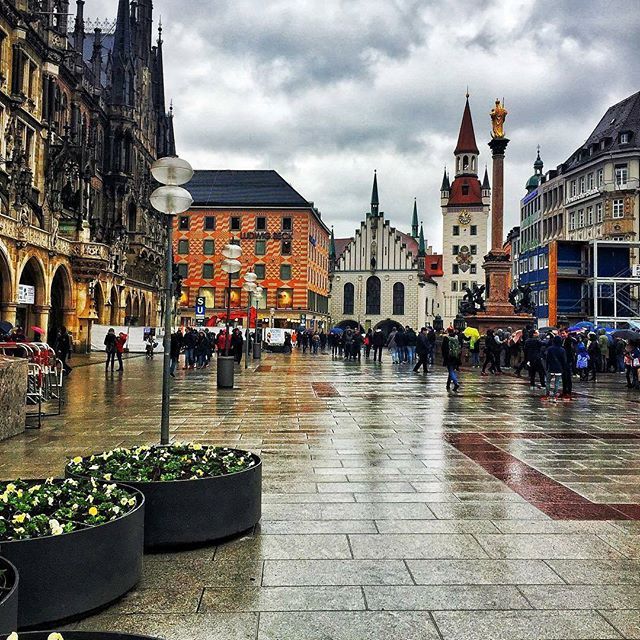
<point>465,211</point>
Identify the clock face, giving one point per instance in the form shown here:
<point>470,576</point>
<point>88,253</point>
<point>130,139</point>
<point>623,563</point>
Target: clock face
<point>464,217</point>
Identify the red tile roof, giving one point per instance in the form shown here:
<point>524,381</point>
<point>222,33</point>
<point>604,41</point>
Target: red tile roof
<point>473,195</point>
<point>466,137</point>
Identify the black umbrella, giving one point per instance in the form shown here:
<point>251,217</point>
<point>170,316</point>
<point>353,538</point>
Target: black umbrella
<point>627,334</point>
<point>5,327</point>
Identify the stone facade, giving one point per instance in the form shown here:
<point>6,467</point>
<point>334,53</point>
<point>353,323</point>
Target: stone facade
<point>83,118</point>
<point>13,389</point>
<point>379,276</point>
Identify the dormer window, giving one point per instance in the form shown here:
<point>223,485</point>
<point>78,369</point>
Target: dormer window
<point>602,144</point>
<point>624,138</point>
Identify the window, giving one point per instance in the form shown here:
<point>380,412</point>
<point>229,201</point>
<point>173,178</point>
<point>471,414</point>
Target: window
<point>183,269</point>
<point>474,249</point>
<point>286,248</point>
<point>573,188</point>
<point>398,299</point>
<point>580,218</point>
<point>474,229</point>
<point>183,247</point>
<point>599,212</point>
<point>474,269</point>
<point>183,223</point>
<point>373,296</point>
<point>572,221</point>
<point>456,230</point>
<point>261,223</point>
<point>284,299</point>
<point>235,223</point>
<point>208,247</point>
<point>454,286</point>
<point>589,216</point>
<point>624,138</point>
<point>455,269</point>
<point>285,272</point>
<point>209,295</point>
<point>581,183</point>
<point>463,285</point>
<point>618,208</point>
<point>209,223</point>
<point>261,247</point>
<point>207,271</point>
<point>465,189</point>
<point>348,299</point>
<point>456,249</point>
<point>287,224</point>
<point>259,270</point>
<point>590,181</point>
<point>622,174</point>
<point>600,177</point>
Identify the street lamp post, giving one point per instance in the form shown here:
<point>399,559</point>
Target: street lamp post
<point>250,287</point>
<point>257,340</point>
<point>230,265</point>
<point>170,199</point>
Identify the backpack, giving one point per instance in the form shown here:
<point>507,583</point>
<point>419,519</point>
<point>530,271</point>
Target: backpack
<point>454,348</point>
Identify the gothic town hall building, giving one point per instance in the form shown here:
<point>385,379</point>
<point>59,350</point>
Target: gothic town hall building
<point>379,277</point>
<point>83,116</point>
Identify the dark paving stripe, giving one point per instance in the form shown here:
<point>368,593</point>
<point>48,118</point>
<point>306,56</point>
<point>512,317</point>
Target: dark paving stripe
<point>325,390</point>
<point>264,368</point>
<point>544,493</point>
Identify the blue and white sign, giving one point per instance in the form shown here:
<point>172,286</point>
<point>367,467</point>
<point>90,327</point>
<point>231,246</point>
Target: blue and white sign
<point>200,308</point>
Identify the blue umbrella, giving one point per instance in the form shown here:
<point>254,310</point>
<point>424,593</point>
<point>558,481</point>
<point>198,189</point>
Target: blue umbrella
<point>337,330</point>
<point>5,327</point>
<point>585,324</point>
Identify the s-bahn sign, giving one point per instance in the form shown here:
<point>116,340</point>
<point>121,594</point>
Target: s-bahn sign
<point>266,235</point>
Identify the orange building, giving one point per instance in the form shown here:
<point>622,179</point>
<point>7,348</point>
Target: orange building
<point>283,240</point>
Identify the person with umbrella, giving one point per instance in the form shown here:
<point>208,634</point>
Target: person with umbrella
<point>5,331</point>
<point>473,335</point>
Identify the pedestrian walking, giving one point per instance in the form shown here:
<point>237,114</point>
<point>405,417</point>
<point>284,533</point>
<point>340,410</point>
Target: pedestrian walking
<point>63,349</point>
<point>378,344</point>
<point>451,352</point>
<point>422,351</point>
<point>556,367</point>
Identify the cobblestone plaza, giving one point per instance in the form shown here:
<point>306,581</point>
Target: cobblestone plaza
<point>390,508</point>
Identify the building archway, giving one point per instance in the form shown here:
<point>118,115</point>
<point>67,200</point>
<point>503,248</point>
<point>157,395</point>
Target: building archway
<point>6,288</point>
<point>135,312</point>
<point>127,309</point>
<point>98,298</point>
<point>115,308</point>
<point>350,324</point>
<point>143,312</point>
<point>32,298</point>
<point>60,301</point>
<point>387,326</point>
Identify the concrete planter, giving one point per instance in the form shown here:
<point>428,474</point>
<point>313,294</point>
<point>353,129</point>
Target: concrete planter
<point>9,601</point>
<point>80,635</point>
<point>187,512</point>
<point>67,576</point>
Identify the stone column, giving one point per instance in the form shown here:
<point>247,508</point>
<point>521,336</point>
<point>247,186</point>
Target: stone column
<point>8,312</point>
<point>498,147</point>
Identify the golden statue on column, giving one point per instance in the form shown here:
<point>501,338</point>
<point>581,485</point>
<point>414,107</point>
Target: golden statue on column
<point>498,116</point>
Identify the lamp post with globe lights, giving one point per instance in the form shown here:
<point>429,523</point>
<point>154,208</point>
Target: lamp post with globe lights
<point>230,265</point>
<point>170,199</point>
<point>250,287</point>
<point>257,341</point>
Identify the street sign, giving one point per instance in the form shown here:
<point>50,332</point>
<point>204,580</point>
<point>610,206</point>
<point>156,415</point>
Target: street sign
<point>636,270</point>
<point>200,308</point>
<point>26,294</point>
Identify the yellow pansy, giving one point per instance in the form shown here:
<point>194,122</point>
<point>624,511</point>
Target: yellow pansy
<point>13,636</point>
<point>93,511</point>
<point>11,487</point>
<point>55,636</point>
<point>77,460</point>
<point>20,518</point>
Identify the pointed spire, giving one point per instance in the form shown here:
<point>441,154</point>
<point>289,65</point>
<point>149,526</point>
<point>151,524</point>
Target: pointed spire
<point>78,29</point>
<point>122,56</point>
<point>486,185</point>
<point>422,246</point>
<point>414,220</point>
<point>466,137</point>
<point>375,202</point>
<point>445,182</point>
<point>538,165</point>
<point>332,246</point>
<point>96,58</point>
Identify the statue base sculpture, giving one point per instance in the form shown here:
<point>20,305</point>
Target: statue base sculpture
<point>499,312</point>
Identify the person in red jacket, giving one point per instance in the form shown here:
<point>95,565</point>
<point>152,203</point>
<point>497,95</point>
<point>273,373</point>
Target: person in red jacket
<point>121,341</point>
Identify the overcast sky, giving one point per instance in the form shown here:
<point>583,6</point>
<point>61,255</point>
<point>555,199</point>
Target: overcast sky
<point>326,91</point>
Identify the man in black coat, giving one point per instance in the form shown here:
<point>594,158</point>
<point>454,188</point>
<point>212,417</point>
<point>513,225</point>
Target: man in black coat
<point>378,341</point>
<point>422,351</point>
<point>533,356</point>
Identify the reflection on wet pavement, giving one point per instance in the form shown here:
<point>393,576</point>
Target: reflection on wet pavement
<point>391,509</point>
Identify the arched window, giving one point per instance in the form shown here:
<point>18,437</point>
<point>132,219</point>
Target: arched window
<point>347,305</point>
<point>398,299</point>
<point>132,221</point>
<point>373,296</point>
<point>465,163</point>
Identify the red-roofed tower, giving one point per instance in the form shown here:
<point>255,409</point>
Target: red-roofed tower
<point>465,209</point>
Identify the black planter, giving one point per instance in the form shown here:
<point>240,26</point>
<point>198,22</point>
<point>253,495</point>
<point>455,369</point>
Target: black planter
<point>81,635</point>
<point>188,512</point>
<point>67,576</point>
<point>9,602</point>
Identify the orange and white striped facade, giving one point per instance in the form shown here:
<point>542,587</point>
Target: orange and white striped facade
<point>286,300</point>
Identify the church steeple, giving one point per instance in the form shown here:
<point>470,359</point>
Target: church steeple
<point>414,220</point>
<point>375,201</point>
<point>466,151</point>
<point>122,89</point>
<point>422,245</point>
<point>332,247</point>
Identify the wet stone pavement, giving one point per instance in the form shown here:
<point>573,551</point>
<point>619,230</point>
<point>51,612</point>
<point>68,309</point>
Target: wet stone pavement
<point>391,509</point>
